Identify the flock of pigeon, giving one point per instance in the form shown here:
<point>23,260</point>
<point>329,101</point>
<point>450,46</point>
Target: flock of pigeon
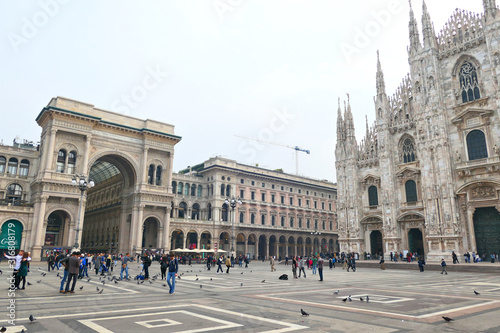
<point>367,299</point>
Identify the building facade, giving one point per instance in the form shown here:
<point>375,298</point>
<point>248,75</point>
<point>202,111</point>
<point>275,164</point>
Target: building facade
<point>137,202</point>
<point>426,176</point>
<point>279,215</point>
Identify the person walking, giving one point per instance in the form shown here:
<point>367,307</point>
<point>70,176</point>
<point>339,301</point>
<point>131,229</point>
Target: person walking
<point>320,267</point>
<point>50,261</point>
<point>271,262</point>
<point>232,260</point>
<point>146,262</point>
<point>219,265</point>
<point>23,270</point>
<point>246,261</point>
<point>209,262</point>
<point>443,265</point>
<point>382,263</point>
<point>294,267</point>
<point>301,267</point>
<point>125,261</point>
<point>64,263</point>
<point>228,264</point>
<point>163,267</point>
<point>17,266</point>
<point>421,264</point>
<point>173,267</point>
<point>314,265</point>
<point>73,268</point>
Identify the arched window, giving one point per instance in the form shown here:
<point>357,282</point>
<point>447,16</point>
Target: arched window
<point>252,218</point>
<point>222,189</point>
<point>14,193</point>
<point>411,191</point>
<point>186,189</point>
<point>242,217</point>
<point>372,196</point>
<point>193,190</point>
<point>71,162</point>
<point>195,213</point>
<point>182,210</point>
<point>224,212</point>
<point>3,162</point>
<point>158,175</point>
<point>61,161</point>
<point>476,145</point>
<point>199,191</point>
<point>174,187</point>
<point>468,83</point>
<point>263,219</point>
<point>151,173</point>
<point>180,187</point>
<point>12,166</point>
<point>24,168</point>
<point>408,151</point>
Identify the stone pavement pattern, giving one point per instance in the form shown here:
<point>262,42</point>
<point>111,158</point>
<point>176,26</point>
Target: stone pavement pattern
<point>255,300</point>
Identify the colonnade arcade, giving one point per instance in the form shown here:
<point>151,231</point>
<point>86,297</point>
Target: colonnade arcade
<point>256,245</point>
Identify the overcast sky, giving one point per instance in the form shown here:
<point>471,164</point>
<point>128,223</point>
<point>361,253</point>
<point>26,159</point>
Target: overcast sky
<point>266,69</point>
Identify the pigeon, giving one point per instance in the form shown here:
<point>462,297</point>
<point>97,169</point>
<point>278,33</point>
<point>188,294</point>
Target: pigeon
<point>103,283</point>
<point>350,299</point>
<point>88,280</point>
<point>336,292</point>
<point>116,282</point>
<point>196,279</point>
<point>97,288</point>
<point>304,313</point>
<point>31,318</point>
<point>201,286</point>
<point>241,285</point>
<point>30,284</point>
<point>142,281</point>
<point>179,277</point>
<point>367,298</point>
<point>475,292</point>
<point>58,275</point>
<point>361,299</point>
<point>210,279</point>
<point>100,292</point>
<point>241,273</point>
<point>150,282</point>
<point>263,281</point>
<point>3,329</point>
<point>164,285</point>
<point>138,282</point>
<point>1,272</point>
<point>344,300</point>
<point>448,319</point>
<point>81,287</point>
<point>38,281</point>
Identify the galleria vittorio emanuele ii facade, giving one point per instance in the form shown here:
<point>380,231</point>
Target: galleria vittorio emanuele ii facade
<point>426,176</point>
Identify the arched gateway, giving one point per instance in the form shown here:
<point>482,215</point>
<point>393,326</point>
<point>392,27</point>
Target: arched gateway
<point>130,162</point>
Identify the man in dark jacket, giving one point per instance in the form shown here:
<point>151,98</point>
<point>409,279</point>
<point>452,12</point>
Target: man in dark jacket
<point>173,267</point>
<point>50,261</point>
<point>73,269</point>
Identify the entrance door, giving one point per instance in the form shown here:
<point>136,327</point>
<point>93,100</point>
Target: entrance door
<point>487,230</point>
<point>416,241</point>
<point>376,243</point>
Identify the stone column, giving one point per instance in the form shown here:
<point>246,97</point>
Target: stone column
<point>50,149</point>
<point>39,225</point>
<point>286,249</point>
<point>166,230</point>
<point>470,223</point>
<point>246,247</point>
<point>144,167</point>
<point>85,166</point>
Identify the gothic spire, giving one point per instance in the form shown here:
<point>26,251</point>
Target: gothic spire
<point>340,126</point>
<point>380,77</point>
<point>490,8</point>
<point>428,28</point>
<point>414,35</point>
<point>348,119</point>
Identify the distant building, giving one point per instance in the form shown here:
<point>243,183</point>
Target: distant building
<point>426,176</point>
<point>280,214</point>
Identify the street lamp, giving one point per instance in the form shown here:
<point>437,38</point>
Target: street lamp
<point>83,185</point>
<point>232,203</point>
<point>315,232</point>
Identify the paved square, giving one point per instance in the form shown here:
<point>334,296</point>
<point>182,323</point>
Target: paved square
<point>255,300</point>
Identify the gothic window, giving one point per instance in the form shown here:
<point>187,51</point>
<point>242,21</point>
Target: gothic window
<point>476,145</point>
<point>61,161</point>
<point>468,83</point>
<point>372,196</point>
<point>408,151</point>
<point>411,191</point>
<point>24,168</point>
<point>151,172</point>
<point>71,162</point>
<point>3,162</point>
<point>158,175</point>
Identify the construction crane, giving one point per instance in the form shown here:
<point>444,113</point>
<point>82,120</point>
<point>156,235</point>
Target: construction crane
<point>296,148</point>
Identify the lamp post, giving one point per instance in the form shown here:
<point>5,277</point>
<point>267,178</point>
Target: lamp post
<point>83,185</point>
<point>232,203</point>
<point>315,232</point>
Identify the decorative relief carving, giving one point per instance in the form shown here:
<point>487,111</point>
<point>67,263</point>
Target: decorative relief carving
<point>72,125</point>
<point>482,192</point>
